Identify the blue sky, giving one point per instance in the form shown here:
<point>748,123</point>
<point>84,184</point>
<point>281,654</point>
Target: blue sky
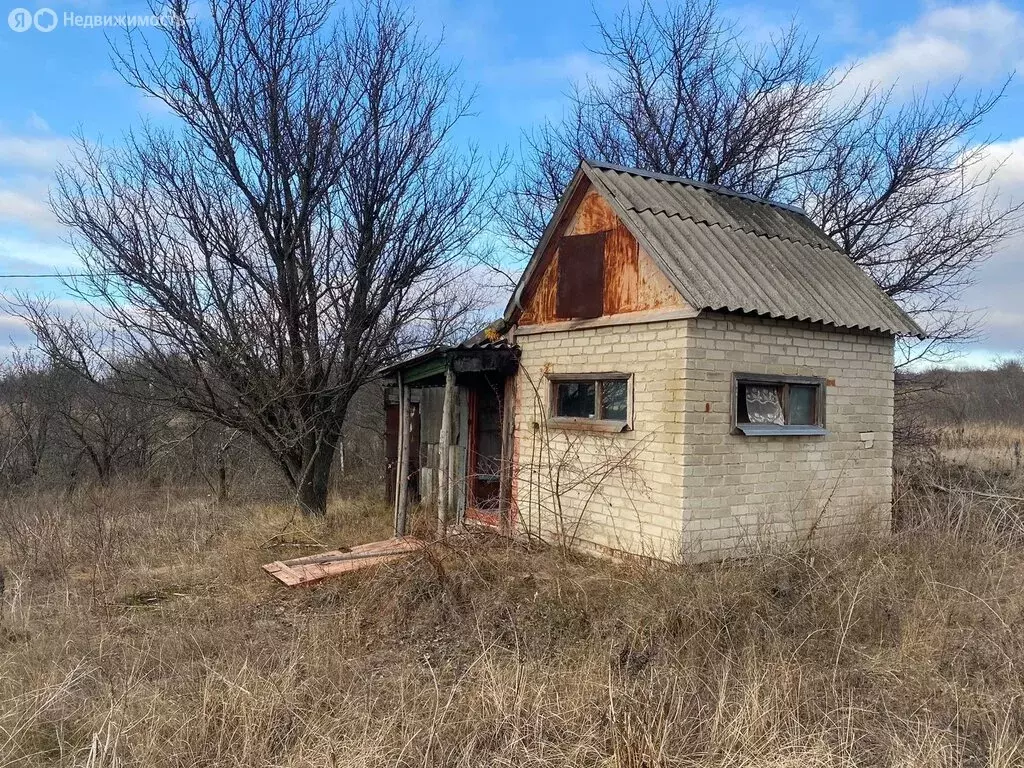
<point>522,55</point>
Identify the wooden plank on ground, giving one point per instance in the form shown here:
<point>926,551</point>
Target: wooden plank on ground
<point>335,553</point>
<point>314,568</point>
<point>283,573</point>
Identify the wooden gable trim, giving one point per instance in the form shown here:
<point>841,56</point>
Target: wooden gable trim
<point>626,318</point>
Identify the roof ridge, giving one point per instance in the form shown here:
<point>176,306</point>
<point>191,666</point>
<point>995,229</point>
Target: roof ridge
<point>726,191</point>
<point>729,228</point>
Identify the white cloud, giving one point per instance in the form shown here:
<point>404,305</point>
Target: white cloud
<point>28,160</point>
<point>36,123</point>
<point>978,44</point>
<point>28,255</point>
<point>40,153</point>
<point>999,282</point>
<point>28,210</point>
<point>560,71</point>
<point>974,43</point>
<point>14,335</point>
<point>15,331</point>
<point>524,74</point>
<point>1007,158</point>
<point>533,89</point>
<point>471,30</point>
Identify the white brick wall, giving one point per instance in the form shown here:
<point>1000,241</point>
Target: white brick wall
<point>680,484</point>
<point>637,507</point>
<point>741,492</point>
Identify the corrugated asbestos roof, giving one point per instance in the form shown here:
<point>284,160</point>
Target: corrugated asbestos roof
<point>733,252</point>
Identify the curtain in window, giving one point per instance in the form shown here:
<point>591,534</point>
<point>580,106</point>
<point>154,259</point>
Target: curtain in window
<point>763,405</point>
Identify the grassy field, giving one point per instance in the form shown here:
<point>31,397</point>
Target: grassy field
<point>992,446</point>
<point>138,630</point>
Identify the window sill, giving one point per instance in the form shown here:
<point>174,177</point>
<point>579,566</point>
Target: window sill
<point>588,425</point>
<point>776,430</point>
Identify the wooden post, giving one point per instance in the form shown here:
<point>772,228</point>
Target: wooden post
<point>444,469</point>
<point>398,456</point>
<point>458,480</point>
<point>508,414</point>
<point>402,480</point>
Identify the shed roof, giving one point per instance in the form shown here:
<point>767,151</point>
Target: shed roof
<point>728,251</point>
<point>487,350</point>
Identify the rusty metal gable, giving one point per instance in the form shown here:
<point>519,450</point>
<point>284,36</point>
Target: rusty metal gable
<point>733,252</point>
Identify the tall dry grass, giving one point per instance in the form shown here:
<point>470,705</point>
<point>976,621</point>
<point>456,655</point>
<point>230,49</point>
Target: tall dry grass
<point>990,446</point>
<point>138,630</point>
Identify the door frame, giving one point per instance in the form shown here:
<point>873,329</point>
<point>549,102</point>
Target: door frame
<point>490,518</point>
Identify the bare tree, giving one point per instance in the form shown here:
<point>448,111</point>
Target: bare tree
<point>305,220</point>
<point>107,425</point>
<point>901,187</point>
<point>31,393</point>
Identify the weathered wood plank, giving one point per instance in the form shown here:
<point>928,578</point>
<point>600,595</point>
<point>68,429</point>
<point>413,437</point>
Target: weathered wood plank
<point>283,573</point>
<point>402,492</point>
<point>507,456</point>
<point>315,568</point>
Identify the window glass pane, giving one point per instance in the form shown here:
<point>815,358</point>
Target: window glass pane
<point>801,404</point>
<point>613,400</point>
<point>575,399</point>
<point>764,406</point>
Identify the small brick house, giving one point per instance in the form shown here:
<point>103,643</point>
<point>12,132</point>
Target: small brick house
<point>682,372</point>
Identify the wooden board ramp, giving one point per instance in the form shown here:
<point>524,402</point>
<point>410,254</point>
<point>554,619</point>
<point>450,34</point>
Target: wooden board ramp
<point>314,568</point>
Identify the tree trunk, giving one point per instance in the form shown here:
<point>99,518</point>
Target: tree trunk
<point>315,481</point>
<point>222,474</point>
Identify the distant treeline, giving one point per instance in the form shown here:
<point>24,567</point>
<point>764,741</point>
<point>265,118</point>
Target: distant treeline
<point>59,429</point>
<point>946,396</point>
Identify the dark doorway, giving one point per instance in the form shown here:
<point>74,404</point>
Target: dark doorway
<point>485,409</point>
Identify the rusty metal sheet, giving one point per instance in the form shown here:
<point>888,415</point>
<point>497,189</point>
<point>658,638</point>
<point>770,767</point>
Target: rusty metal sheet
<point>621,273</point>
<point>580,289</point>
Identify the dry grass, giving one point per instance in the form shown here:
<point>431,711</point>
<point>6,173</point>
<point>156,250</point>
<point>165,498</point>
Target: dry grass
<point>986,445</point>
<point>138,630</point>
